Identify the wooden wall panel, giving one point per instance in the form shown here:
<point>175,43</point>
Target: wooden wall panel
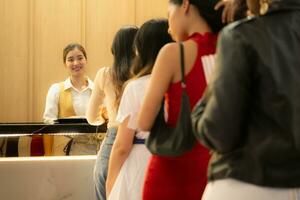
<point>34,33</point>
<point>103,19</point>
<point>56,24</point>
<point>147,9</point>
<point>13,60</point>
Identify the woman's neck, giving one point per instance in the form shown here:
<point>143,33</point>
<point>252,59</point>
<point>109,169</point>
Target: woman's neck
<point>80,83</point>
<point>199,26</point>
<point>197,23</point>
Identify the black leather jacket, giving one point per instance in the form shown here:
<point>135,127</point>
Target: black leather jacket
<point>250,116</point>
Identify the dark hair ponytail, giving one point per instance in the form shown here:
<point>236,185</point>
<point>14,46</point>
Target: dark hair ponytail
<point>151,37</point>
<point>206,10</point>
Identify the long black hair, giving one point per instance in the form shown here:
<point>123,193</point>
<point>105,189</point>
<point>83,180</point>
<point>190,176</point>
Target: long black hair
<point>206,10</point>
<point>122,50</point>
<point>151,37</point>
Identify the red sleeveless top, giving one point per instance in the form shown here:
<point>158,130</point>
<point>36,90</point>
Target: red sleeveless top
<point>195,79</point>
<point>184,176</point>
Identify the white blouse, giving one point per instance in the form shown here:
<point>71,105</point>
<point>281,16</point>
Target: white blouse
<point>80,100</point>
<point>131,102</point>
<point>103,94</point>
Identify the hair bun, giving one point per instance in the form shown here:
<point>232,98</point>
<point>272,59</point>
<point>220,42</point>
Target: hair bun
<point>207,11</point>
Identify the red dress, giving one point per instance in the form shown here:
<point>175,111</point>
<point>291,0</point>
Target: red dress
<point>183,177</point>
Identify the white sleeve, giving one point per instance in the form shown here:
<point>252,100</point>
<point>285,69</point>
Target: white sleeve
<point>51,107</point>
<point>96,99</point>
<point>129,106</point>
<point>102,75</point>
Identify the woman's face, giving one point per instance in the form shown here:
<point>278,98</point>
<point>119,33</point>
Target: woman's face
<point>75,62</point>
<point>175,19</point>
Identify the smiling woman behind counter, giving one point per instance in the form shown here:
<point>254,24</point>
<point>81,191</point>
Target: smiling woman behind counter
<point>69,99</point>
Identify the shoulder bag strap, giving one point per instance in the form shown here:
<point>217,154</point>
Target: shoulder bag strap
<point>182,65</point>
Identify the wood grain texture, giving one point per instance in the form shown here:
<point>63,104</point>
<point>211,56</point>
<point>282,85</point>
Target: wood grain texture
<point>34,33</point>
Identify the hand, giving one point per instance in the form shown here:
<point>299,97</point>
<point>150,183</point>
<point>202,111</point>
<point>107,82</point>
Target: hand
<point>103,113</point>
<point>228,10</point>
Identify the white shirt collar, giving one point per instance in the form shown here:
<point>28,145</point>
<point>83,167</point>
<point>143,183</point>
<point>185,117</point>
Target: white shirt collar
<point>68,84</point>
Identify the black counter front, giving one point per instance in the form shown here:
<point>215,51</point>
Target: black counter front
<point>42,128</point>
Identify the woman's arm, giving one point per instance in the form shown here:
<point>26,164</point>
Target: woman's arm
<point>96,99</point>
<point>120,151</point>
<point>161,77</point>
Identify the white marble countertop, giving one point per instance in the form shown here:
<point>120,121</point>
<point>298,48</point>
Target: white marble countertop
<point>47,178</point>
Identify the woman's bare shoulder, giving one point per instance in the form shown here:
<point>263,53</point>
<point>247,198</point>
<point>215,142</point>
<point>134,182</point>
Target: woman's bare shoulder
<point>169,50</point>
<point>168,56</point>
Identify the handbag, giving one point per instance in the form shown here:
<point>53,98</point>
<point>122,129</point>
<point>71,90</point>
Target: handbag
<point>169,141</point>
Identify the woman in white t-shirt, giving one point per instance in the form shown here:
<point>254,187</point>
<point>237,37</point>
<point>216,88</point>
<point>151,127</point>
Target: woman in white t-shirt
<point>129,155</point>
